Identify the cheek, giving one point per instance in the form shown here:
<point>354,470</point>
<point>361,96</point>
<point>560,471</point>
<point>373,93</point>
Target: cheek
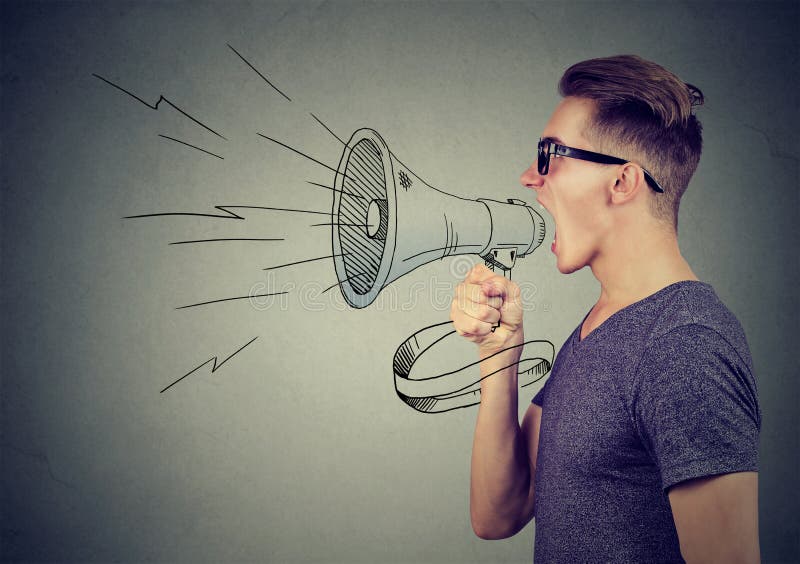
<point>586,206</point>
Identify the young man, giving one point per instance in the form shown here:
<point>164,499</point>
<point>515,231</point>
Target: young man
<point>643,444</point>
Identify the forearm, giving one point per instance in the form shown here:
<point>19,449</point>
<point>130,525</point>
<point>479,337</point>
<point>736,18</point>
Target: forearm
<point>500,473</point>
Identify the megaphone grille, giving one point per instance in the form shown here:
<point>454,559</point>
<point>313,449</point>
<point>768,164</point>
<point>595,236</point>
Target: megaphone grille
<point>364,183</point>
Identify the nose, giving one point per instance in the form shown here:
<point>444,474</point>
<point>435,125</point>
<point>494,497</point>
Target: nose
<point>531,178</point>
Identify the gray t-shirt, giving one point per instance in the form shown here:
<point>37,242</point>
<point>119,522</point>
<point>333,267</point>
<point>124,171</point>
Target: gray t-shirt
<point>663,391</point>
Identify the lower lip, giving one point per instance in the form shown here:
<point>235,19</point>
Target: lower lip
<point>553,247</point>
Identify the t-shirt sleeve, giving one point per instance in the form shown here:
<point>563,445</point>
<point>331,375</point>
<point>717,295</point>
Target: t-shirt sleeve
<point>538,399</point>
<point>696,406</point>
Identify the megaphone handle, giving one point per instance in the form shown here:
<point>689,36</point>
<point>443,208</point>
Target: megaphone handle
<point>493,267</point>
<point>507,273</point>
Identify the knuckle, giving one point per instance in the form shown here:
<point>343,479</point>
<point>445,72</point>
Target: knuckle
<point>486,313</point>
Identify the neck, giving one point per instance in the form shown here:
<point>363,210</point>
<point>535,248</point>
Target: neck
<point>638,260</point>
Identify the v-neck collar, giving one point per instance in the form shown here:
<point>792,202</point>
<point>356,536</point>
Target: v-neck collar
<point>576,338</point>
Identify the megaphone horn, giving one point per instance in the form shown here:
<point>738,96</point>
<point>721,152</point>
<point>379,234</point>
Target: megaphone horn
<point>387,222</point>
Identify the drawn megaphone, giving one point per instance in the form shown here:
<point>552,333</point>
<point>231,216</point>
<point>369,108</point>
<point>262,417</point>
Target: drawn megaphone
<point>387,222</point>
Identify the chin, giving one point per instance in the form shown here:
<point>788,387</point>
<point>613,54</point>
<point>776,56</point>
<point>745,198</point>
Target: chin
<point>565,267</point>
<point>568,269</point>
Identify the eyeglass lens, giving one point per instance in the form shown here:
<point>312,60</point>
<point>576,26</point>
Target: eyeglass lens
<point>543,158</point>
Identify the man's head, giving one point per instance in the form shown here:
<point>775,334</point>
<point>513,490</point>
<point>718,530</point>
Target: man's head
<point>643,113</point>
<point>623,107</point>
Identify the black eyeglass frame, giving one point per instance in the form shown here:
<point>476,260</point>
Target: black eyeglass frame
<point>543,159</point>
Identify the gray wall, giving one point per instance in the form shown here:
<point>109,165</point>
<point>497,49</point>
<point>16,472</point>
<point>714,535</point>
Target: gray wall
<point>298,449</point>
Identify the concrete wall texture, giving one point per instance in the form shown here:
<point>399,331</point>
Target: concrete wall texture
<point>297,449</point>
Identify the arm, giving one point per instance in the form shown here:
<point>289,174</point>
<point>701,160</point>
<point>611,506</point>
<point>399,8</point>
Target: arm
<point>717,518</point>
<point>697,413</point>
<point>504,454</point>
<point>503,469</point>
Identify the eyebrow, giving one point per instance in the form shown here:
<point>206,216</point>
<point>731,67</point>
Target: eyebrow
<point>553,140</point>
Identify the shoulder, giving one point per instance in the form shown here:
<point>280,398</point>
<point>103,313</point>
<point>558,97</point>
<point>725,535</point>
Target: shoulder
<point>693,318</point>
<point>695,403</point>
<point>695,357</point>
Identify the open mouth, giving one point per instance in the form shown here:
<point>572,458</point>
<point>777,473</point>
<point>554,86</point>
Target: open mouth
<point>555,229</point>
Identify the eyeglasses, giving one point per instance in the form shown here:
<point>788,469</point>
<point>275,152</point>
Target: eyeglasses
<point>547,148</point>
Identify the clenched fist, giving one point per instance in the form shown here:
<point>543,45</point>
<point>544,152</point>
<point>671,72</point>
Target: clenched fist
<point>482,301</point>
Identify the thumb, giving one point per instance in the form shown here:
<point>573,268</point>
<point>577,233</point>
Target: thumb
<point>493,287</point>
<point>478,274</point>
<point>511,307</point>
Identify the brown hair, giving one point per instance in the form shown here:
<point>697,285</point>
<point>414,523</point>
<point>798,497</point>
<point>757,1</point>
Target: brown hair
<point>643,112</point>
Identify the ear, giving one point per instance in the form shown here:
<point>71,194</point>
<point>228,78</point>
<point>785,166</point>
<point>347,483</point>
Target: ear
<point>627,183</point>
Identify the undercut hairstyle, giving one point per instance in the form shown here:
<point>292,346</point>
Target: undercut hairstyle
<point>643,113</point>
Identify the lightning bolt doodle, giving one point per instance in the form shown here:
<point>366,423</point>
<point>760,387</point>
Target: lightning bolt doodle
<point>213,368</point>
<point>226,210</point>
<point>158,102</point>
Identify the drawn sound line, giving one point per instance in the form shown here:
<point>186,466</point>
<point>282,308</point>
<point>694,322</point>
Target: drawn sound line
<point>302,154</point>
<point>215,240</point>
<point>213,368</point>
<point>328,129</point>
<point>361,225</point>
<point>258,73</point>
<point>231,299</point>
<point>303,261</point>
<point>190,145</point>
<point>343,281</point>
<point>155,106</point>
<point>335,190</point>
